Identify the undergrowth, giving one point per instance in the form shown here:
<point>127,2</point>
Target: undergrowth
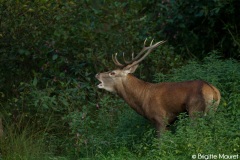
<point>24,143</point>
<point>217,133</point>
<point>110,129</point>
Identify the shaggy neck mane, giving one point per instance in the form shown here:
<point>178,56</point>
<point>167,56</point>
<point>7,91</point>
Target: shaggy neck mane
<point>133,90</point>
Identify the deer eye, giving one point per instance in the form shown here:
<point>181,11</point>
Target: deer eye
<point>112,73</point>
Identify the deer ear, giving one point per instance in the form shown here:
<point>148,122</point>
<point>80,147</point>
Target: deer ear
<point>132,69</point>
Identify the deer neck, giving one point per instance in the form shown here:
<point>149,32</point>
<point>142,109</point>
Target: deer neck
<point>133,91</point>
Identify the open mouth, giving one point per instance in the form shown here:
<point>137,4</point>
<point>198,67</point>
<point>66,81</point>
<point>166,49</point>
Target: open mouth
<point>101,84</point>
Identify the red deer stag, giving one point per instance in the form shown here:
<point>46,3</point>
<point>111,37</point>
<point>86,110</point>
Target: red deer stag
<point>161,103</point>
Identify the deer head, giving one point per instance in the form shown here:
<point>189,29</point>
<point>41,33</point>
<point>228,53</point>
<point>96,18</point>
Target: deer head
<point>109,80</point>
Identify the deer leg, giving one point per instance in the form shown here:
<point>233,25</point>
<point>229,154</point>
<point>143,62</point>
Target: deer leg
<point>193,114</point>
<point>160,126</point>
<point>196,108</point>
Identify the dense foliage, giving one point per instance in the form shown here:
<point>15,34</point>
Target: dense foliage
<point>198,27</point>
<point>51,50</point>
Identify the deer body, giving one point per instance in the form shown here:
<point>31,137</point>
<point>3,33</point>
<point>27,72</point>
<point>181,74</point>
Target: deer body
<point>161,103</point>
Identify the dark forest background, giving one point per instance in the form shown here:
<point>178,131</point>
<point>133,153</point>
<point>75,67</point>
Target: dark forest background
<point>50,51</point>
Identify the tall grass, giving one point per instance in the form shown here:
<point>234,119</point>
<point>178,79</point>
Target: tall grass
<point>22,143</point>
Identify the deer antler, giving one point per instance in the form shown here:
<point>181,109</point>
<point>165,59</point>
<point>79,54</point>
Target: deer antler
<point>141,56</point>
<point>117,63</point>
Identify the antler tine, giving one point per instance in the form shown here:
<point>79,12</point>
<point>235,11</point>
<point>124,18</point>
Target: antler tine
<point>139,54</point>
<point>114,58</point>
<point>126,61</point>
<point>151,42</point>
<point>149,49</point>
<point>144,44</point>
<point>142,51</point>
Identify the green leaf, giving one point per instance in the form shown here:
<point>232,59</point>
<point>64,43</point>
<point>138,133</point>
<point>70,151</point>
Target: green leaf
<point>23,52</point>
<point>35,81</point>
<point>54,57</point>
